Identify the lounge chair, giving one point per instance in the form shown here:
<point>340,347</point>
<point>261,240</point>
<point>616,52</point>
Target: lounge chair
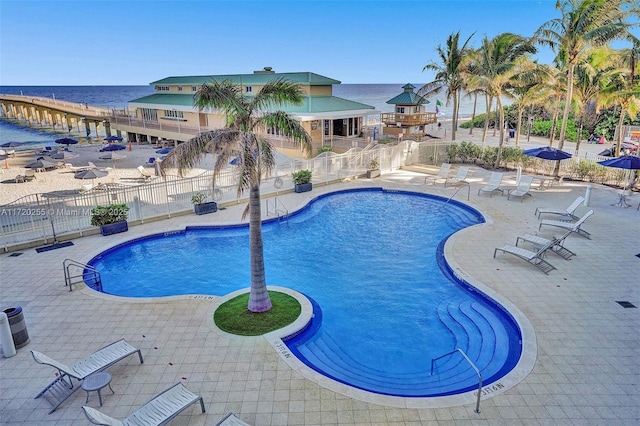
<point>563,212</point>
<point>495,180</point>
<point>459,178</point>
<point>81,168</point>
<point>570,226</point>
<point>533,257</point>
<point>29,175</point>
<point>159,411</point>
<point>145,174</point>
<point>523,188</point>
<point>557,247</point>
<point>231,420</point>
<point>62,387</point>
<point>19,179</point>
<point>442,174</point>
<point>151,161</point>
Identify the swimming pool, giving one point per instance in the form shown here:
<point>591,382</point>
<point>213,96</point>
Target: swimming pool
<point>385,302</point>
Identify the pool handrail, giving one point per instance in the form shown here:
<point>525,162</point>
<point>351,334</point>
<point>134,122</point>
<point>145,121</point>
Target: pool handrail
<point>433,360</point>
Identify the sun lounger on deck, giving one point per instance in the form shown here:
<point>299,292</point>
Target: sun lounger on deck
<point>159,411</point>
<point>563,212</point>
<point>442,174</point>
<point>533,257</point>
<point>62,387</point>
<point>557,244</point>
<point>570,226</point>
<point>459,178</point>
<point>523,188</point>
<point>231,420</point>
<point>495,180</point>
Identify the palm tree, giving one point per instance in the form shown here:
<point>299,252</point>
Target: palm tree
<point>499,60</point>
<point>448,75</point>
<point>245,117</point>
<point>583,24</point>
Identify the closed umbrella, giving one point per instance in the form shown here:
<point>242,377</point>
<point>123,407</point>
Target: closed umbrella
<point>11,144</point>
<point>628,162</point>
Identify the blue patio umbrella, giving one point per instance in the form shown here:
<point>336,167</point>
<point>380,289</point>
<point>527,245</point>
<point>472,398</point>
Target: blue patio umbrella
<point>164,151</point>
<point>547,153</point>
<point>113,139</point>
<point>11,144</point>
<point>113,147</point>
<point>66,141</point>
<point>628,162</point>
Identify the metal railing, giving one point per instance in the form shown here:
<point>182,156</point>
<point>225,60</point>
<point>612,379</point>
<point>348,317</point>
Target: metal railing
<point>88,275</point>
<point>433,360</point>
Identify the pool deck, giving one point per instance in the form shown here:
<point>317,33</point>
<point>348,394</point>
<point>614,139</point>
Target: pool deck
<point>587,346</point>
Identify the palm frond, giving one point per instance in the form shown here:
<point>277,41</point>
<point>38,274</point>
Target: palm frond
<point>188,154</point>
<point>289,127</point>
<point>277,93</point>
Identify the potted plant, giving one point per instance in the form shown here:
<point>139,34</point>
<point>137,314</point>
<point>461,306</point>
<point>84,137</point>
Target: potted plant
<point>302,180</point>
<point>373,170</point>
<point>111,219</point>
<point>200,207</point>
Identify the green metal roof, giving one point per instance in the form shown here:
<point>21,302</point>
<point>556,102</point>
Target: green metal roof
<point>310,104</point>
<point>249,79</point>
<point>407,98</point>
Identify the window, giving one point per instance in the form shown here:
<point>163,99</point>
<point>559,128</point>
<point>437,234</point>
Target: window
<point>149,114</point>
<point>162,88</point>
<point>179,88</point>
<point>400,110</point>
<point>173,114</point>
<point>247,89</point>
<point>194,88</point>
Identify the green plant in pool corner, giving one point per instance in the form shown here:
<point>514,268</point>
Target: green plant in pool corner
<point>301,177</point>
<point>105,215</point>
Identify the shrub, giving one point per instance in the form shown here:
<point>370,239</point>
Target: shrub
<point>325,148</point>
<point>104,215</point>
<point>301,177</point>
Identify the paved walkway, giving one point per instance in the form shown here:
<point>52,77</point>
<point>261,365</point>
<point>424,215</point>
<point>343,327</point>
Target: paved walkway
<point>585,373</point>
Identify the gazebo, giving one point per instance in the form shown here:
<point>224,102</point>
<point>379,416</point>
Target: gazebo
<point>410,118</point>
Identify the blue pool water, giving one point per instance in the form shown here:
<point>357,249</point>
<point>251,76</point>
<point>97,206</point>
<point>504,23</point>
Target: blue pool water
<point>385,301</point>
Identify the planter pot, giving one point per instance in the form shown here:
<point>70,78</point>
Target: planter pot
<point>303,187</point>
<point>373,173</point>
<point>205,208</point>
<point>114,228</point>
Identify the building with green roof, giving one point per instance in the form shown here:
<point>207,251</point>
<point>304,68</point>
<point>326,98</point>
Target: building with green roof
<point>170,114</point>
<point>410,119</point>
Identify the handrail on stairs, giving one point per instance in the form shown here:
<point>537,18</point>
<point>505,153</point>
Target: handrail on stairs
<point>91,274</point>
<point>433,360</point>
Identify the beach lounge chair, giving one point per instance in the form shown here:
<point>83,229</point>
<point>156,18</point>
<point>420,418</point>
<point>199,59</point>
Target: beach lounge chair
<point>533,257</point>
<point>495,180</point>
<point>145,174</point>
<point>557,247</point>
<point>563,212</point>
<point>442,174</point>
<point>570,226</point>
<point>62,387</point>
<point>29,175</point>
<point>231,420</point>
<point>151,161</point>
<point>523,188</point>
<point>459,178</point>
<point>81,168</point>
<point>159,411</point>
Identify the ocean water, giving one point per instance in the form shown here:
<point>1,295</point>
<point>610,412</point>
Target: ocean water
<point>117,97</point>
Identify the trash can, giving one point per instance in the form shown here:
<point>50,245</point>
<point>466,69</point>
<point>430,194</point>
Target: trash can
<point>512,133</point>
<point>18,326</point>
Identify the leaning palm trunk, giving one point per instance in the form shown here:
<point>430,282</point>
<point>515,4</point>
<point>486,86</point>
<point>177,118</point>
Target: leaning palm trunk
<point>518,124</point>
<point>487,116</point>
<point>501,140</point>
<point>620,124</point>
<point>259,300</point>
<point>454,119</point>
<point>473,115</point>
<point>565,114</point>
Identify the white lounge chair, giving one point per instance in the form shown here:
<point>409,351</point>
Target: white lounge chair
<point>495,180</point>
<point>145,174</point>
<point>459,178</point>
<point>442,174</point>
<point>523,188</point>
<point>557,247</point>
<point>159,411</point>
<point>570,226</point>
<point>231,420</point>
<point>563,212</point>
<point>62,387</point>
<point>533,257</point>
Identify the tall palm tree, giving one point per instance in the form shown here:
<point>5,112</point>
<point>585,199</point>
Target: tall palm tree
<point>448,74</point>
<point>499,60</point>
<point>583,24</point>
<point>246,116</point>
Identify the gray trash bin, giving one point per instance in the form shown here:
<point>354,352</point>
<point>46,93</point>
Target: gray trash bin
<point>18,326</point>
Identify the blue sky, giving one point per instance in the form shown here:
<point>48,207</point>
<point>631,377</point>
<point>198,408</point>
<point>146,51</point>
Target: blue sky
<point>115,42</point>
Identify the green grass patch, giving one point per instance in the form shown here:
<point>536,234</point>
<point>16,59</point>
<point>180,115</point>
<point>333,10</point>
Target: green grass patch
<point>234,317</point>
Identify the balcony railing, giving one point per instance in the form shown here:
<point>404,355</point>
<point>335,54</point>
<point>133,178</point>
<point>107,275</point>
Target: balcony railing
<point>393,119</point>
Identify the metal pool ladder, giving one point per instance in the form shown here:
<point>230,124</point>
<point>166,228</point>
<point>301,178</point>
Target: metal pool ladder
<point>433,360</point>
<point>277,207</point>
<point>88,275</point>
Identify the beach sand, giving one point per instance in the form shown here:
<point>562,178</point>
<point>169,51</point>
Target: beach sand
<point>124,171</point>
